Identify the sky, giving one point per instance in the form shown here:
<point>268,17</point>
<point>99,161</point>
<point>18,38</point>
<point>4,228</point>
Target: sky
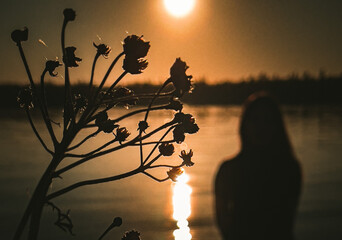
<point>220,39</point>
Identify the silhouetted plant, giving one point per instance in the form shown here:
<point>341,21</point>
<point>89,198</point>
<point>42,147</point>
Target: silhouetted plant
<point>90,111</point>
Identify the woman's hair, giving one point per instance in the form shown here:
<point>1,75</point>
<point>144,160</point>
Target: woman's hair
<point>262,126</point>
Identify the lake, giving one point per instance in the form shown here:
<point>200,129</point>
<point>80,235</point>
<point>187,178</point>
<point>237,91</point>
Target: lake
<point>153,208</point>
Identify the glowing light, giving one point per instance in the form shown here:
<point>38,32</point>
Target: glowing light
<point>182,207</point>
<point>179,8</point>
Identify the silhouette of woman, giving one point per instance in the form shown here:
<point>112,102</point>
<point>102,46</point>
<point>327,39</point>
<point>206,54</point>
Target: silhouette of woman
<point>257,191</point>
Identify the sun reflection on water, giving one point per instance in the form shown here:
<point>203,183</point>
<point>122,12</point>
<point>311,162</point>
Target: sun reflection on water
<point>182,207</point>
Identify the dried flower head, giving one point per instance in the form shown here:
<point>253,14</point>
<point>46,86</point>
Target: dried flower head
<point>50,66</point>
<point>187,122</point>
<point>135,47</point>
<point>134,66</point>
<point>80,102</point>
<point>107,126</point>
<point>174,173</point>
<point>69,59</point>
<point>69,14</point>
<point>124,93</point>
<point>100,118</point>
<point>187,158</point>
<point>131,235</point>
<point>180,80</point>
<point>166,149</point>
<point>25,98</point>
<point>117,221</point>
<point>121,134</point>
<point>175,105</point>
<point>20,35</point>
<point>143,125</point>
<point>178,134</point>
<point>102,49</point>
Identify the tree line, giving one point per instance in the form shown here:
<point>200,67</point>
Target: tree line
<point>289,90</point>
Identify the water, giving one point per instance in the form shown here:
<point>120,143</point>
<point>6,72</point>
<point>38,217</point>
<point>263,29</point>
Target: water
<point>146,205</point>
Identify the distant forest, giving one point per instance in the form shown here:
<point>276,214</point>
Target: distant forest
<point>290,90</point>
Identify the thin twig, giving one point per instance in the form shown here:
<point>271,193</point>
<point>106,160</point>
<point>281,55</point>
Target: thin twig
<point>166,166</point>
<point>92,72</point>
<point>107,74</point>
<point>36,132</point>
<point>153,160</point>
<point>92,112</point>
<point>116,81</point>
<point>45,111</point>
<point>154,98</point>
<point>139,111</point>
<point>85,159</point>
<point>155,142</point>
<point>68,109</point>
<point>155,178</point>
<point>155,147</point>
<point>83,141</point>
<point>94,181</point>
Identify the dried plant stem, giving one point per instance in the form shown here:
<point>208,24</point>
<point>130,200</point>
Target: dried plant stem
<point>92,112</point>
<point>137,96</point>
<point>92,73</point>
<point>154,159</point>
<point>107,74</point>
<point>35,93</point>
<point>36,132</point>
<point>94,181</point>
<point>45,110</point>
<point>38,197</point>
<point>116,81</point>
<point>155,142</point>
<point>160,140</point>
<point>155,178</point>
<point>166,166</point>
<point>155,96</point>
<point>85,159</point>
<point>22,55</point>
<point>35,206</point>
<point>67,88</point>
<point>139,111</point>
<point>84,140</point>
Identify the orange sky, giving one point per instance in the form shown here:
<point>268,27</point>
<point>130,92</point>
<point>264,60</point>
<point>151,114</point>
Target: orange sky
<point>220,40</point>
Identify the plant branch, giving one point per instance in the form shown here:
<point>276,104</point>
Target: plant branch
<point>136,96</point>
<point>155,96</point>
<point>153,160</point>
<point>117,81</point>
<point>165,165</point>
<point>83,141</point>
<point>92,182</point>
<point>67,89</point>
<point>92,72</point>
<point>36,132</point>
<point>22,55</point>
<point>87,158</point>
<point>155,178</point>
<point>45,111</point>
<point>139,111</point>
<point>107,74</point>
<point>155,147</point>
<point>155,142</point>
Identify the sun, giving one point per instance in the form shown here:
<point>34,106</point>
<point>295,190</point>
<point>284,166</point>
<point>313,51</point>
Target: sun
<point>179,8</point>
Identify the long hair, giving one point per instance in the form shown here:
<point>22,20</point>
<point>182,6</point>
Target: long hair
<point>262,126</point>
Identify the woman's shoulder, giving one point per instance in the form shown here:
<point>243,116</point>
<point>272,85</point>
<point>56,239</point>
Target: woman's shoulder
<point>229,164</point>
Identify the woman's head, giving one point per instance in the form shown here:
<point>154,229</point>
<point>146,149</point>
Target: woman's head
<point>262,125</point>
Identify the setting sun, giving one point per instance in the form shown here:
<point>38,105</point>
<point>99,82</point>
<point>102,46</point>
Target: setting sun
<point>179,8</point>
